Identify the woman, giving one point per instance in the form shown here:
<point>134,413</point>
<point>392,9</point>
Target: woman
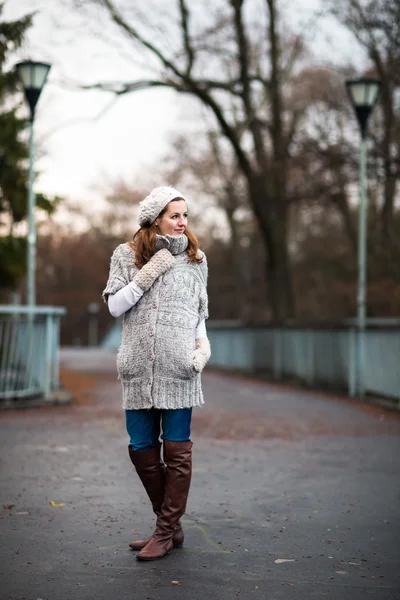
<point>159,282</point>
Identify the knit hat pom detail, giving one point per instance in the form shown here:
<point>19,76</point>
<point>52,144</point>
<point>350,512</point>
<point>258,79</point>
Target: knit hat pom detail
<point>155,202</point>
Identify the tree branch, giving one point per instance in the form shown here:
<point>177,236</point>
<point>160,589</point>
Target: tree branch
<point>118,20</point>
<point>186,36</point>
<point>120,88</point>
<point>276,97</point>
<point>228,86</point>
<point>292,128</point>
<point>184,84</point>
<point>207,85</point>
<point>227,130</point>
<point>245,81</point>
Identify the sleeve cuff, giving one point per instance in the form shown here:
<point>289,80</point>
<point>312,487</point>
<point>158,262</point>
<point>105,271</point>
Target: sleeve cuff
<point>136,288</point>
<point>201,331</point>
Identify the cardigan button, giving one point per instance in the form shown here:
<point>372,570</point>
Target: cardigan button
<point>154,305</point>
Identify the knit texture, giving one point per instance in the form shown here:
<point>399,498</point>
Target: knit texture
<point>160,262</point>
<point>174,243</point>
<point>155,358</point>
<point>155,202</point>
<point>202,354</point>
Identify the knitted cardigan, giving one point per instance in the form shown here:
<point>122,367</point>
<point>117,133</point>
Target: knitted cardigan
<point>154,360</point>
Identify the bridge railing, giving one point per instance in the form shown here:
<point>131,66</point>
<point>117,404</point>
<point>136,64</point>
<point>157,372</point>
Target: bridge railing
<point>324,357</point>
<point>29,350</point>
<point>320,357</point>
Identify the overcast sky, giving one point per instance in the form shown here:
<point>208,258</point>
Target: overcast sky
<point>128,140</point>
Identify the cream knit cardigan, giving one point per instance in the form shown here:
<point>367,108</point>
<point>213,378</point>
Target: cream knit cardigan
<point>154,360</point>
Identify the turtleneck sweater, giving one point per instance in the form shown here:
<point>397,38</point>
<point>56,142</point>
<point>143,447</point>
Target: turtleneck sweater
<point>129,295</point>
<point>174,243</point>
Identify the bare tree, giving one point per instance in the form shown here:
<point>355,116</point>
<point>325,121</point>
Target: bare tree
<point>376,25</point>
<point>235,63</point>
<point>324,162</point>
<point>205,163</point>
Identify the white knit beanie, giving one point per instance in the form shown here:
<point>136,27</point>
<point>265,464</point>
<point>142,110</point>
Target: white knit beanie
<point>155,202</point>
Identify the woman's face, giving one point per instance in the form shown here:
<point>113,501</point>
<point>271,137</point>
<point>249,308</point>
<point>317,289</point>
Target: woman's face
<point>174,220</point>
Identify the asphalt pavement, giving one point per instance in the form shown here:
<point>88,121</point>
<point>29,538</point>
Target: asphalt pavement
<point>294,494</point>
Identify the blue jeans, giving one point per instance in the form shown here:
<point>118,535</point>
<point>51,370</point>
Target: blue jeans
<point>144,426</point>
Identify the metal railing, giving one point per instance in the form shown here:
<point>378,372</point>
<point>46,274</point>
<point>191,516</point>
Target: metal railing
<point>318,357</point>
<point>29,350</point>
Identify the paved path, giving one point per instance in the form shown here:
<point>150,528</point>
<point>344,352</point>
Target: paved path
<point>294,495</point>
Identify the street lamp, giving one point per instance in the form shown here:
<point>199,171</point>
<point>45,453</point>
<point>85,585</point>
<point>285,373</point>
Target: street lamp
<point>32,76</point>
<point>363,94</point>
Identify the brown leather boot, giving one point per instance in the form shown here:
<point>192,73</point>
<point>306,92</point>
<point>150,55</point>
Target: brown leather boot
<point>177,539</point>
<point>151,471</point>
<point>178,460</point>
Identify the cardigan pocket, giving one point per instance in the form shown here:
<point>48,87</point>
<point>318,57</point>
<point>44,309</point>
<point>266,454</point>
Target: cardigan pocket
<point>174,351</point>
<point>191,370</point>
<point>176,366</point>
<point>130,364</point>
<point>135,355</point>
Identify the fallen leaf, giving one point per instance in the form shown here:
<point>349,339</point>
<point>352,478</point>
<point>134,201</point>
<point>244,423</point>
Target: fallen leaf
<point>55,503</point>
<point>279,561</point>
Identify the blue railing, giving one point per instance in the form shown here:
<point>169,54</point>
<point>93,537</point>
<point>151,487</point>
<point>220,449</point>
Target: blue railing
<point>29,351</point>
<point>323,357</point>
<point>320,357</point>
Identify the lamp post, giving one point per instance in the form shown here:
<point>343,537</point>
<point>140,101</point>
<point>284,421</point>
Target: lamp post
<point>363,94</point>
<point>32,76</point>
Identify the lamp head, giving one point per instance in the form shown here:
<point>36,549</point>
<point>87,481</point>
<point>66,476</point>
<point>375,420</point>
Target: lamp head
<point>33,76</point>
<point>363,94</point>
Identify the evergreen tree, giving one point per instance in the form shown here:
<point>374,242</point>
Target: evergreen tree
<point>13,158</point>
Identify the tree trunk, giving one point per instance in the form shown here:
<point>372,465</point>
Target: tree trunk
<point>236,254</point>
<point>342,205</point>
<point>390,176</point>
<point>388,205</point>
<point>279,274</point>
<point>273,220</point>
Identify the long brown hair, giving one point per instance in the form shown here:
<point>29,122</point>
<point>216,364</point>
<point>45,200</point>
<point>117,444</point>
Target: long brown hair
<point>144,242</point>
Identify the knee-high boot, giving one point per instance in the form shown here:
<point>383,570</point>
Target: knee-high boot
<point>151,471</point>
<point>178,461</point>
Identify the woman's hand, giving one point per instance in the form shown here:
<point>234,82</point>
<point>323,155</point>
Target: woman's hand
<point>202,354</point>
<point>159,263</point>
